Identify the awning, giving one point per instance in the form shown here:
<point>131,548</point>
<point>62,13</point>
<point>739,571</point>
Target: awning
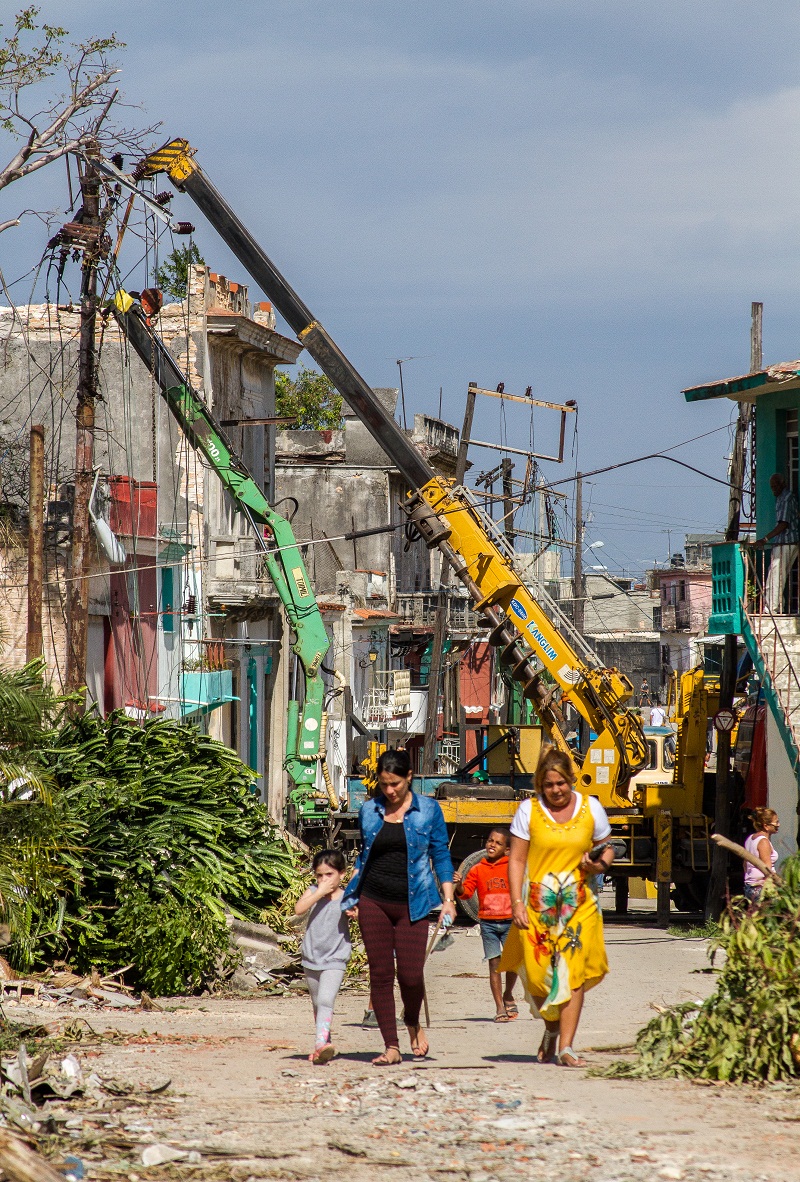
<point>748,386</point>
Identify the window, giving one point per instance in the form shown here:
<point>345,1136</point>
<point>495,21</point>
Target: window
<point>682,587</point>
<point>792,449</point>
<point>669,751</point>
<point>652,755</point>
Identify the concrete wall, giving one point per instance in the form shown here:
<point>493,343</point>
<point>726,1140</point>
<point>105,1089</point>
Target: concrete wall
<point>135,437</point>
<point>771,435</point>
<point>782,793</point>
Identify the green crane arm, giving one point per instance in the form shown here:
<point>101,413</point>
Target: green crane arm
<point>282,556</point>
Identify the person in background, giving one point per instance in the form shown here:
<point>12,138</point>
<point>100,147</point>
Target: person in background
<point>556,944</point>
<point>403,841</point>
<point>489,878</point>
<point>657,716</point>
<point>759,843</point>
<point>784,536</point>
<point>326,946</point>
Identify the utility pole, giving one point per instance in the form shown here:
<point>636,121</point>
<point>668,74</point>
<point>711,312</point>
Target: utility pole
<point>715,898</point>
<point>33,641</point>
<point>508,503</point>
<point>78,587</point>
<point>440,625</point>
<point>578,591</point>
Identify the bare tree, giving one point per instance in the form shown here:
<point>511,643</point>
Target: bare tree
<point>55,96</point>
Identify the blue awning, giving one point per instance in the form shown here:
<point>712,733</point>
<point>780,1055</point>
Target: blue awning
<point>206,690</point>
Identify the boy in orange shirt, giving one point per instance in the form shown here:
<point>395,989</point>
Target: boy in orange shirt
<point>489,878</point>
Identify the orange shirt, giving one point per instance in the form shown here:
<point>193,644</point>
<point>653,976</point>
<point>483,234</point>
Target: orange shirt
<point>490,880</point>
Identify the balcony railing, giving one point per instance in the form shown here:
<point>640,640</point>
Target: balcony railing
<point>419,608</point>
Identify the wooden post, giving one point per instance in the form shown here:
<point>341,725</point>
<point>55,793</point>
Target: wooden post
<point>78,587</point>
<point>33,643</point>
<point>508,504</point>
<point>715,898</point>
<point>440,625</point>
<point>756,347</point>
<point>578,590</point>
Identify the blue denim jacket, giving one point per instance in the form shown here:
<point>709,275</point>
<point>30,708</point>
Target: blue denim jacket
<point>426,838</point>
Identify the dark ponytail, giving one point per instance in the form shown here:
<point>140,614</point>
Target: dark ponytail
<point>397,763</point>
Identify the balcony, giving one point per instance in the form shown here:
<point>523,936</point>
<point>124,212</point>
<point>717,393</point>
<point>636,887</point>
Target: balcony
<point>237,573</point>
<point>419,608</point>
<point>671,617</point>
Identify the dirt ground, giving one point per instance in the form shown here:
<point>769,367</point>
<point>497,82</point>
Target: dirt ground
<point>244,1102</point>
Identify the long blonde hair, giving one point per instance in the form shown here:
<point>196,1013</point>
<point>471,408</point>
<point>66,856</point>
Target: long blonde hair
<point>554,760</point>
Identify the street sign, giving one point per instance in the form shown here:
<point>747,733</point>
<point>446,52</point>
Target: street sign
<point>725,721</point>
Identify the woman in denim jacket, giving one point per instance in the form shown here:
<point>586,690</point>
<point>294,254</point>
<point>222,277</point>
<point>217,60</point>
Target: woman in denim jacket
<point>403,840</point>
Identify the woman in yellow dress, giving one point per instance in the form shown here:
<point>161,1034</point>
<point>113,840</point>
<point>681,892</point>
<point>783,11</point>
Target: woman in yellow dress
<point>556,944</point>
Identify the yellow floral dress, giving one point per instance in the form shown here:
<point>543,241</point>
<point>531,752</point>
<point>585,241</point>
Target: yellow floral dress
<point>563,948</point>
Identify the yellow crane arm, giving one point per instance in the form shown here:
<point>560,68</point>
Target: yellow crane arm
<point>534,640</point>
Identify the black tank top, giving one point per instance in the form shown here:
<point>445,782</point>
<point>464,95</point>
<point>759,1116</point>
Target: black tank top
<point>386,872</point>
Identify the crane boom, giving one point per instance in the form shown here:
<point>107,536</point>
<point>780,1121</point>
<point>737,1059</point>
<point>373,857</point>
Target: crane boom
<point>274,534</point>
<point>533,641</point>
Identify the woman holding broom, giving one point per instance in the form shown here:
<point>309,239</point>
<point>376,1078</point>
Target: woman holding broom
<point>403,841</point>
<point>556,944</point>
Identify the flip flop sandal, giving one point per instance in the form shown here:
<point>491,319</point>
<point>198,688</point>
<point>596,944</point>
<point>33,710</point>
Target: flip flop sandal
<point>417,1051</point>
<point>324,1054</point>
<point>502,1017</point>
<point>383,1061</point>
<point>511,1010</point>
<point>568,1052</point>
<point>546,1052</point>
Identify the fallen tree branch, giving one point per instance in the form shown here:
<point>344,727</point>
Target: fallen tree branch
<point>745,855</point>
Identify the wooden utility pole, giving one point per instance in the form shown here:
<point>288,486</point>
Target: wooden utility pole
<point>715,898</point>
<point>508,503</point>
<point>440,625</point>
<point>33,642</point>
<point>578,590</point>
<point>78,586</point>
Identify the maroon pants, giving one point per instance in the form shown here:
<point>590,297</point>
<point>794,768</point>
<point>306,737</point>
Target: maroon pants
<point>390,935</point>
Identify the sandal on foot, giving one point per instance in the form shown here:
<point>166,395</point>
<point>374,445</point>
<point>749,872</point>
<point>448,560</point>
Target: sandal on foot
<point>547,1048</point>
<point>416,1050</point>
<point>383,1060</point>
<point>322,1054</point>
<point>502,1017</point>
<point>511,1010</point>
<point>568,1053</point>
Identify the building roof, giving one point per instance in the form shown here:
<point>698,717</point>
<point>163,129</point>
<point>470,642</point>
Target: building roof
<point>749,386</point>
<point>375,613</point>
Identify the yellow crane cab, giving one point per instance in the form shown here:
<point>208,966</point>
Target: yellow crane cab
<point>662,745</point>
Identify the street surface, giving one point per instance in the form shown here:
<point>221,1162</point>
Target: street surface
<point>244,1103</point>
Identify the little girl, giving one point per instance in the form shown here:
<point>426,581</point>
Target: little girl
<point>326,946</point>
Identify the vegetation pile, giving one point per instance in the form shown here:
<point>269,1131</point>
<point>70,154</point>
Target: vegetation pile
<point>748,1030</point>
<point>126,845</point>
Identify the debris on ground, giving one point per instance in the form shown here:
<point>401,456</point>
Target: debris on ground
<point>145,839</point>
<point>748,1030</point>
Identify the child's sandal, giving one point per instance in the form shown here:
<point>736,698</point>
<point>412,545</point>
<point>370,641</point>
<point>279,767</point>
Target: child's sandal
<point>502,1018</point>
<point>512,1011</point>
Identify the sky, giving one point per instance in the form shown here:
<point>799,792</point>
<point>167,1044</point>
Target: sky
<point>581,196</point>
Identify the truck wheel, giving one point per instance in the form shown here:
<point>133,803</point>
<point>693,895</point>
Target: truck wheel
<point>469,907</point>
